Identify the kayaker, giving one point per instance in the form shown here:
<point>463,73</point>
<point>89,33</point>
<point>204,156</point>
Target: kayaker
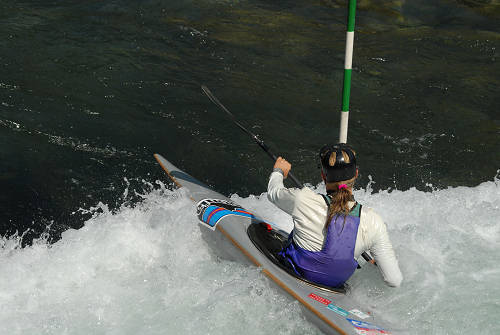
<point>331,231</point>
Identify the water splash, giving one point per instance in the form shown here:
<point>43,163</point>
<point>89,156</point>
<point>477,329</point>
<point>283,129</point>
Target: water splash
<point>147,269</point>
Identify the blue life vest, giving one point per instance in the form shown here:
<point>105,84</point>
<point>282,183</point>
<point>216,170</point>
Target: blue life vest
<point>334,263</point>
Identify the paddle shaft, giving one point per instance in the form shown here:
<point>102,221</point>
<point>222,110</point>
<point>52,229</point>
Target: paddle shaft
<point>255,137</point>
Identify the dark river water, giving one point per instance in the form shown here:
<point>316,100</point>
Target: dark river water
<point>89,90</point>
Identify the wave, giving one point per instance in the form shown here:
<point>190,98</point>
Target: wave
<point>146,269</point>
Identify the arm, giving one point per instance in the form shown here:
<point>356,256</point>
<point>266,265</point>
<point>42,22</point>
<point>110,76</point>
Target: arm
<point>277,193</point>
<point>381,249</point>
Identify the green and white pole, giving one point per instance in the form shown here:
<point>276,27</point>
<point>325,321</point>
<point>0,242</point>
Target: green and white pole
<point>346,90</point>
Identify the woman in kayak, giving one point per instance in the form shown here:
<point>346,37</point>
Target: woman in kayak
<point>331,231</point>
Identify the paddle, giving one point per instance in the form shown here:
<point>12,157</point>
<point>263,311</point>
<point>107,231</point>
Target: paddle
<point>256,139</point>
<point>263,146</point>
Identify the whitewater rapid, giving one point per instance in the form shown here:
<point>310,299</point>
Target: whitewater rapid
<point>146,269</point>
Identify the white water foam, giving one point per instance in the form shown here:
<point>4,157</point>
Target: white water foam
<point>147,270</point>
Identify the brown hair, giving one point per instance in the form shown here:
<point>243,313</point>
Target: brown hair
<point>339,197</point>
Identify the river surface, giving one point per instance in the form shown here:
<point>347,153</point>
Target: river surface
<point>89,90</point>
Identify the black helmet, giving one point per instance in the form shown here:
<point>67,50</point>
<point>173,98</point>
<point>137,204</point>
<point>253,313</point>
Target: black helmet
<point>341,170</point>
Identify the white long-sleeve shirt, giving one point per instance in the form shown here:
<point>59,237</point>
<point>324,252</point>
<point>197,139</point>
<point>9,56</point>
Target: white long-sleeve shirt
<point>309,211</point>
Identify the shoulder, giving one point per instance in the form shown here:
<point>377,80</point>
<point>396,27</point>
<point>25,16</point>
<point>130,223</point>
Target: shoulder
<point>370,213</point>
<point>306,193</point>
<point>305,197</point>
<point>371,222</point>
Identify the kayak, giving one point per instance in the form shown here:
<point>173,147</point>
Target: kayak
<point>331,309</point>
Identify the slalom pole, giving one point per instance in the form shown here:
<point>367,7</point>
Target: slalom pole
<point>346,90</point>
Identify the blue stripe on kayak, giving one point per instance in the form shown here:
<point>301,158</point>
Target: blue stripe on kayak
<point>220,214</point>
<point>217,216</point>
<point>207,212</point>
<point>243,214</point>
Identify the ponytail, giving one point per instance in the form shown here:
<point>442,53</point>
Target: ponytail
<point>339,192</point>
<point>340,195</point>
